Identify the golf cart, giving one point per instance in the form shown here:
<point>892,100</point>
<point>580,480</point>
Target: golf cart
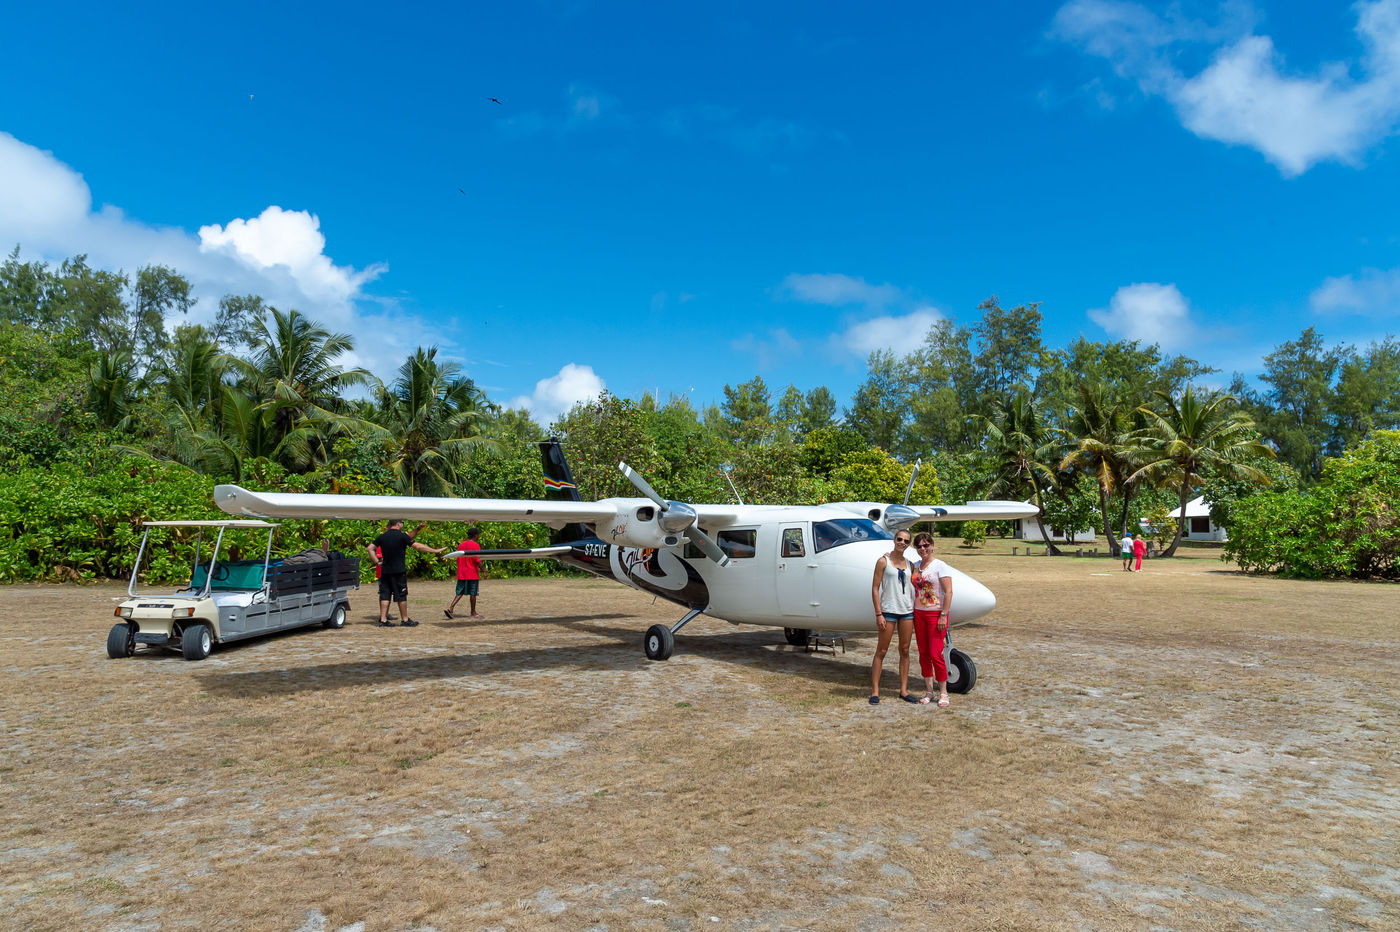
<point>229,600</point>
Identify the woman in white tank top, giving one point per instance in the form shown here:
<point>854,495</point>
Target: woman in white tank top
<point>892,592</point>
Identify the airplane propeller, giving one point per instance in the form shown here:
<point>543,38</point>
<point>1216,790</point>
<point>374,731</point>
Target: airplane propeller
<point>898,517</point>
<point>676,517</point>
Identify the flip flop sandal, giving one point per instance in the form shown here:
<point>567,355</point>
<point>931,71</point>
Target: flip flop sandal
<point>926,700</point>
<point>943,702</point>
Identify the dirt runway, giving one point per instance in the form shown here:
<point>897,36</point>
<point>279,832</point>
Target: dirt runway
<point>1185,748</point>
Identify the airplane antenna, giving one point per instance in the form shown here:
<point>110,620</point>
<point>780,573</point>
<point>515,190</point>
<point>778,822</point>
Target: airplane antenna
<point>727,468</point>
<point>914,475</point>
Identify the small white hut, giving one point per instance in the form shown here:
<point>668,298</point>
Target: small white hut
<point>1196,523</point>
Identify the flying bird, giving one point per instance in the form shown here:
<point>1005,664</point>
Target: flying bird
<point>493,100</point>
<point>460,191</point>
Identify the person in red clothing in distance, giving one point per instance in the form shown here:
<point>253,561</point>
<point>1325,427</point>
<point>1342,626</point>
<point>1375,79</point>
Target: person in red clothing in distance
<point>468,575</point>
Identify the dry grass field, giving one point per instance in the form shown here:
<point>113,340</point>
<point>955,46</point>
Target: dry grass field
<point>1185,748</point>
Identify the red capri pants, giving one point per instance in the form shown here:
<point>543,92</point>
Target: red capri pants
<point>930,640</point>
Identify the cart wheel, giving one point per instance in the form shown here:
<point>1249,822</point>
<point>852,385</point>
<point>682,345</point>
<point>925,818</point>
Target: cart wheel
<point>337,619</point>
<point>196,642</point>
<point>121,641</point>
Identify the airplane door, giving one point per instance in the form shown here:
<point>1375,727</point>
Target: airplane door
<point>796,576</point>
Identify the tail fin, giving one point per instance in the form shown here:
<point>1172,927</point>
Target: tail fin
<point>559,486</point>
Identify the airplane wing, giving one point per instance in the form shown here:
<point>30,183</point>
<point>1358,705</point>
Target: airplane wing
<point>972,511</point>
<point>239,501</point>
<point>977,511</point>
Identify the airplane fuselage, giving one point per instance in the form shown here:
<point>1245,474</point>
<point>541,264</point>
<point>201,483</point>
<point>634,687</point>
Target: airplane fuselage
<point>776,576</point>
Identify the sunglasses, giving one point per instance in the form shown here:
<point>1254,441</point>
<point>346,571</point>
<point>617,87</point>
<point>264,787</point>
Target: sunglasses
<point>902,540</point>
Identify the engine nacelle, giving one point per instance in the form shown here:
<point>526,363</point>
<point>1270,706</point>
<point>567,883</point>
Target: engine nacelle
<point>636,526</point>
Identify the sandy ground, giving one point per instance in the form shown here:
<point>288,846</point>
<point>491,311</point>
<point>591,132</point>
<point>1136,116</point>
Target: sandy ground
<point>1185,748</point>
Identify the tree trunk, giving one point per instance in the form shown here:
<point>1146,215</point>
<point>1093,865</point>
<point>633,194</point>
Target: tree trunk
<point>1123,518</point>
<point>1107,529</point>
<point>1181,517</point>
<point>1040,519</point>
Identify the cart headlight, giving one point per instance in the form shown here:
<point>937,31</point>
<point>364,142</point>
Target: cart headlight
<point>122,611</point>
<point>183,612</point>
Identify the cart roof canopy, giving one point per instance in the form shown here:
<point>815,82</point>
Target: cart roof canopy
<point>246,522</point>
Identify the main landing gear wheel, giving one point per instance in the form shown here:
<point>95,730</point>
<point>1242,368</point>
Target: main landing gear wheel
<point>337,619</point>
<point>196,642</point>
<point>962,672</point>
<point>797,637</point>
<point>659,642</point>
<point>121,641</point>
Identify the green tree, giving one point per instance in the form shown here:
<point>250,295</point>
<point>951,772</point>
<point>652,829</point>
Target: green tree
<point>1099,430</point>
<point>942,392</point>
<point>878,408</point>
<point>1009,348</point>
<point>1295,414</point>
<point>236,323</point>
<point>601,433</point>
<point>112,389</point>
<point>429,420</point>
<point>1367,395</point>
<point>294,374</point>
<point>1020,452</point>
<point>1195,437</point>
<point>747,413</point>
<point>27,292</point>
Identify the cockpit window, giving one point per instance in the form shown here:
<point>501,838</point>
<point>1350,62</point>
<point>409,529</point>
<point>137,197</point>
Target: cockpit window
<point>838,531</point>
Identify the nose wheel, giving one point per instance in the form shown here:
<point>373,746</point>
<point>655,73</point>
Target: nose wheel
<point>660,641</point>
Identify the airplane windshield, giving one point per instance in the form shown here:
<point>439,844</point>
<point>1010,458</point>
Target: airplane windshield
<point>834,533</point>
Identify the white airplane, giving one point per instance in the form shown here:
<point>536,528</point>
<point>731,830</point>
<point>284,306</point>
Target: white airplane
<point>802,568</point>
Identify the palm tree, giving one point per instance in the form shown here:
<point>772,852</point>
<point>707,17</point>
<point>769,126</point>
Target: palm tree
<point>1100,427</point>
<point>193,374</point>
<point>1195,436</point>
<point>112,385</point>
<point>1020,447</point>
<point>428,419</point>
<point>294,375</point>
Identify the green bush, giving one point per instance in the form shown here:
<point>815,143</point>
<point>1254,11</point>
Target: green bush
<point>974,533</point>
<point>1345,526</point>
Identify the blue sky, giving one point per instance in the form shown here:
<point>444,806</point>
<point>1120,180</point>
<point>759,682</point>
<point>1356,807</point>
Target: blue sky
<point>674,198</point>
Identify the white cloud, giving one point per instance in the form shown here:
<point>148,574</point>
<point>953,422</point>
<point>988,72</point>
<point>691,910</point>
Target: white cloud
<point>290,240</point>
<point>837,290</point>
<point>1148,312</point>
<point>1244,96</point>
<point>555,395</point>
<point>47,208</point>
<point>899,334</point>
<point>1374,292</point>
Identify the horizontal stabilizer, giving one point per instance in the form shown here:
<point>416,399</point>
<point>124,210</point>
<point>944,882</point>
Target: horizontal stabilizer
<point>523,553</point>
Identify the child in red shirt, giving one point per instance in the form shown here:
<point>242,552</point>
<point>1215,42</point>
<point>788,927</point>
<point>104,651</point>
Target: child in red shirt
<point>468,575</point>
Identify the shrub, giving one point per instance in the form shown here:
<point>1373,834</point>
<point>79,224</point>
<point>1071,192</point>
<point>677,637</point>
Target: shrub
<point>974,533</point>
<point>1345,526</point>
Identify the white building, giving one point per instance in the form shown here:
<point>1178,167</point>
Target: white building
<point>1196,523</point>
<point>1029,529</point>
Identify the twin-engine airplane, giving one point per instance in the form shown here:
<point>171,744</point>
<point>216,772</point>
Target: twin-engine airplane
<point>801,568</point>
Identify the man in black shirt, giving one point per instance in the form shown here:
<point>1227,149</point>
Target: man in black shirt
<point>389,550</point>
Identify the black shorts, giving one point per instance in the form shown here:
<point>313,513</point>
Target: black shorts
<point>393,587</point>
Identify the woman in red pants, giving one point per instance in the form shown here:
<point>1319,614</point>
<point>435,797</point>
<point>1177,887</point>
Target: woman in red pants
<point>933,597</point>
<point>1139,548</point>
